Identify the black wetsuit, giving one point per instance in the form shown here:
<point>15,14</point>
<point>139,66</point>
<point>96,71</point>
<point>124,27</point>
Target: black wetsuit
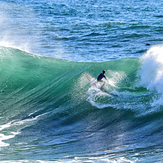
<point>101,76</point>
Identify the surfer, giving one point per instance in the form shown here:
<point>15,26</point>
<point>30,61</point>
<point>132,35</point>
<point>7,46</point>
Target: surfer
<point>99,78</point>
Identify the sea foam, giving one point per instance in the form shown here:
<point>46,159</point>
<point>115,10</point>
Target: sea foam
<point>152,71</point>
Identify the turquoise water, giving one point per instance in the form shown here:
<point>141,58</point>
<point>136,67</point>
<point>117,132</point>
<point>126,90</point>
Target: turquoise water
<point>49,111</point>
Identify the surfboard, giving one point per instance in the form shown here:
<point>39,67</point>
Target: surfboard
<point>94,83</point>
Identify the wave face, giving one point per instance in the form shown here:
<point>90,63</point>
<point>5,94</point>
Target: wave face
<point>50,111</point>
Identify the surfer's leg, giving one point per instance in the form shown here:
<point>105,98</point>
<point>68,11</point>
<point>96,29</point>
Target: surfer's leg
<point>102,82</point>
<point>103,85</point>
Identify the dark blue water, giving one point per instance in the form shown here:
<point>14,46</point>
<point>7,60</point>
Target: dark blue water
<point>82,31</point>
<point>48,109</point>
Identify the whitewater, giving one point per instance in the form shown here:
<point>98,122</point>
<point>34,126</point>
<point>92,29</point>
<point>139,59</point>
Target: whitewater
<point>49,112</point>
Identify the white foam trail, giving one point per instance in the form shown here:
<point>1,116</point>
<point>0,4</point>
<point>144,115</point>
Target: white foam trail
<point>20,124</point>
<point>6,137</point>
<point>95,97</point>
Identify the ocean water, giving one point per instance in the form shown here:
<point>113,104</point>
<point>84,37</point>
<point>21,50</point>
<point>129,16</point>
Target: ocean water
<point>49,112</point>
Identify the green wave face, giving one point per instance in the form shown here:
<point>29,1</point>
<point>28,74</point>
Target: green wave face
<point>28,79</point>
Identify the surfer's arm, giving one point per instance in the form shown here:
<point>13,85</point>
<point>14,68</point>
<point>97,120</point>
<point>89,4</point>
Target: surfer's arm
<point>105,77</point>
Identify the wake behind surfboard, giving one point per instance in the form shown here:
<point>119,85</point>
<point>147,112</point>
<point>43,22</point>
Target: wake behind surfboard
<point>94,83</point>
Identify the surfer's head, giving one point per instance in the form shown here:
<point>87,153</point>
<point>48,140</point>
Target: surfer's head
<point>103,71</point>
